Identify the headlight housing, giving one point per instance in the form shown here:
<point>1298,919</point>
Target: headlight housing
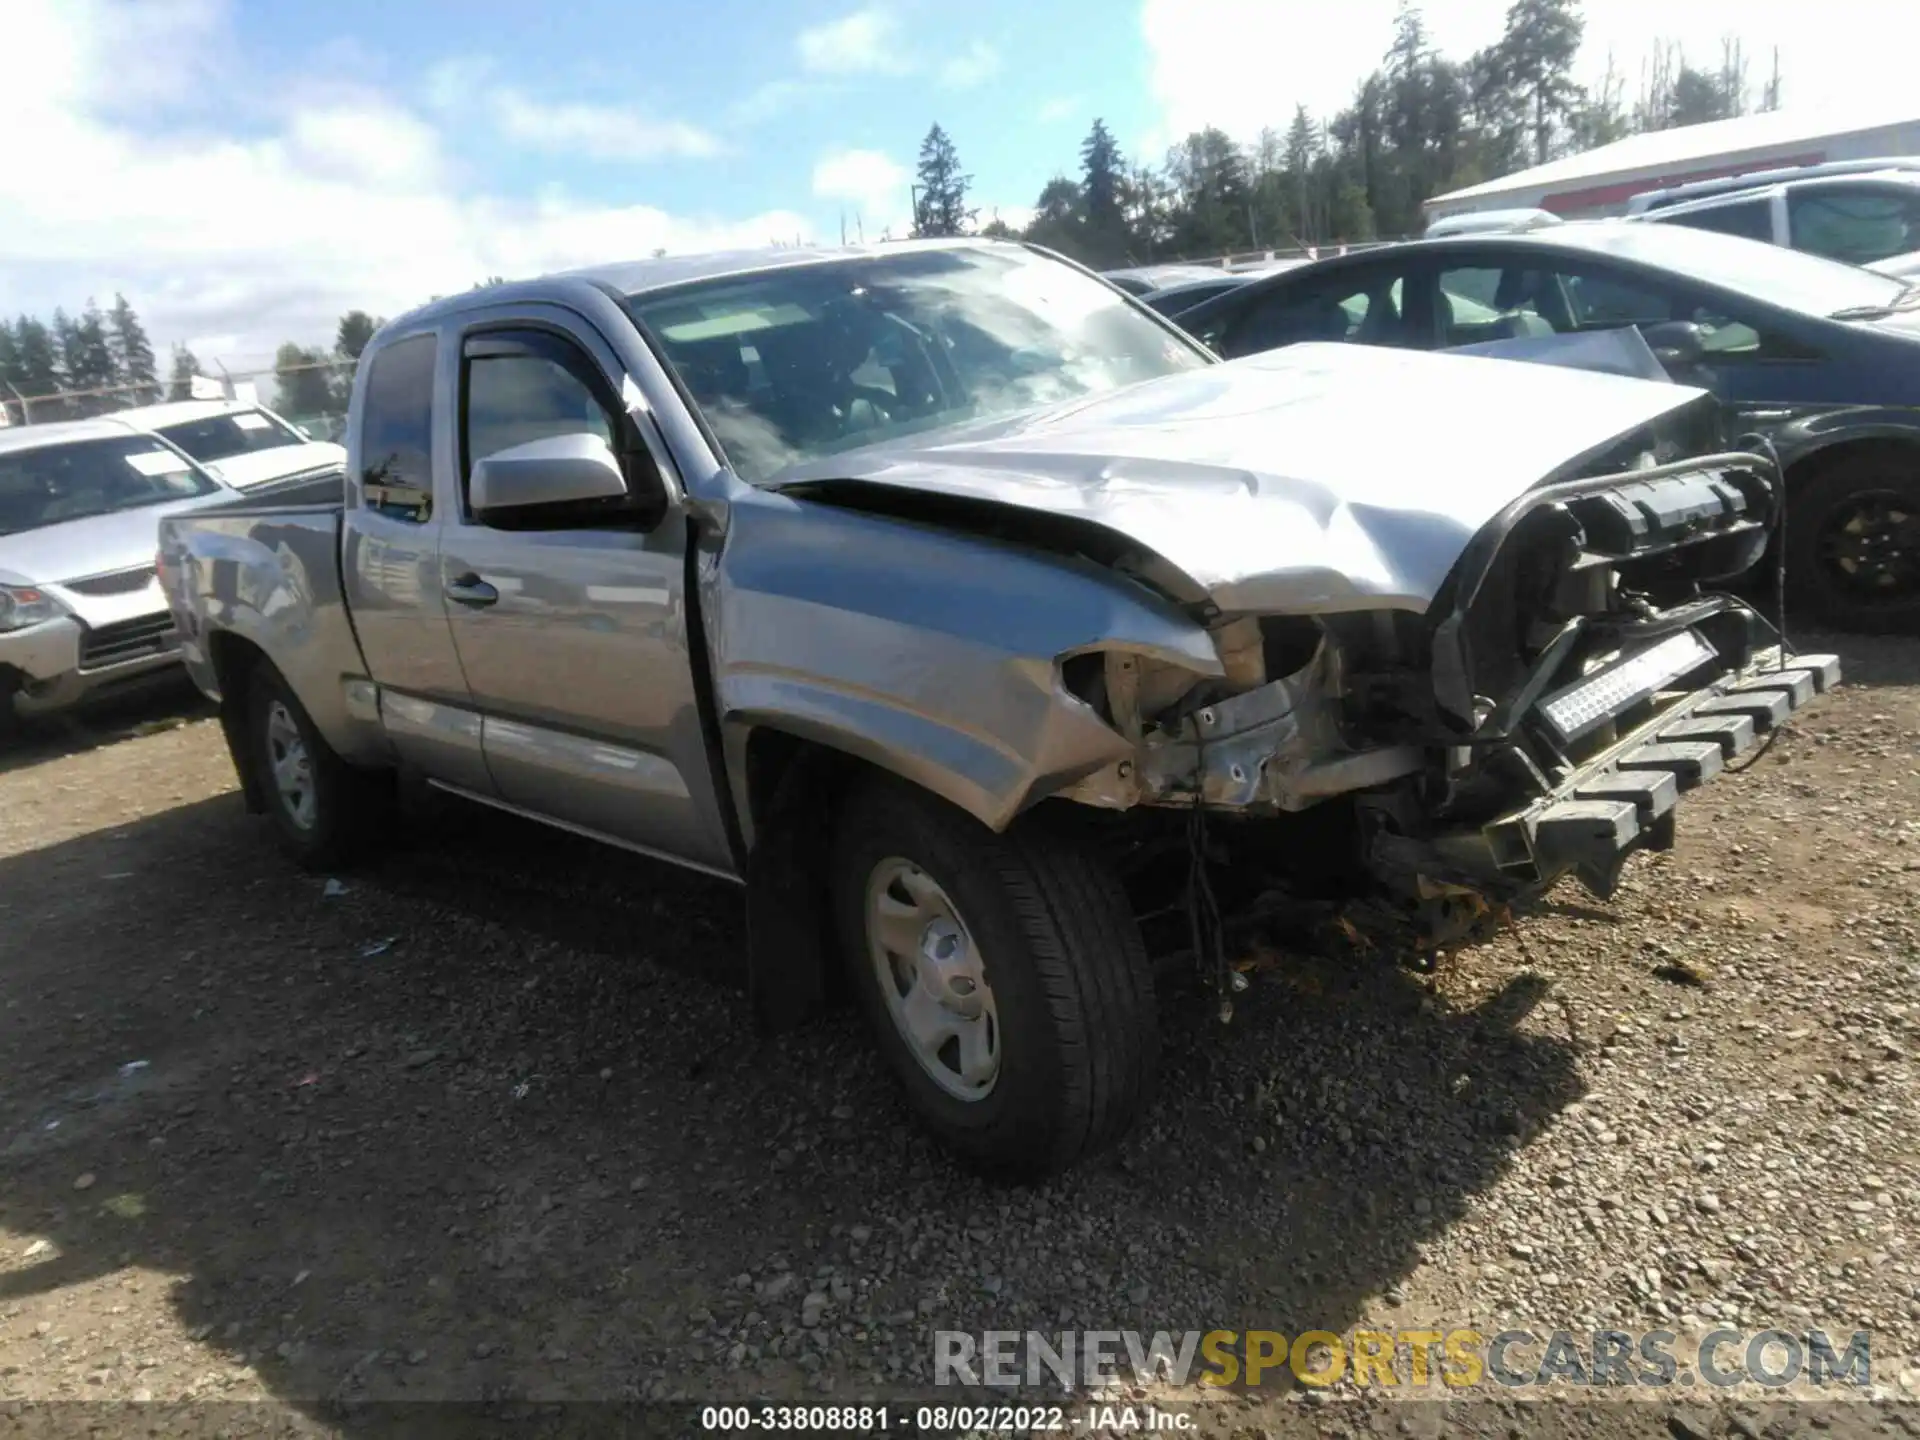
<point>24,605</point>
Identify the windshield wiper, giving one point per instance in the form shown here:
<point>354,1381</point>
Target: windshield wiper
<point>1908,299</point>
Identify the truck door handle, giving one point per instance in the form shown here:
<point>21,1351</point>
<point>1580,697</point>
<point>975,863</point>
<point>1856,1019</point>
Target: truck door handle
<point>471,590</point>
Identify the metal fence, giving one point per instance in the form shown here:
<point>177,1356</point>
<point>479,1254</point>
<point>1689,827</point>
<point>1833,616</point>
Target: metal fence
<point>1253,259</point>
<point>311,396</point>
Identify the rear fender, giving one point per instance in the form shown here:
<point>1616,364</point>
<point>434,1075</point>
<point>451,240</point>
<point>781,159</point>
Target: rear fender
<point>271,585</point>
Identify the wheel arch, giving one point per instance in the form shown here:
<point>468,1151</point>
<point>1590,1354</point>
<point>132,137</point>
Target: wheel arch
<point>235,660</point>
<point>788,788</point>
<point>1803,467</point>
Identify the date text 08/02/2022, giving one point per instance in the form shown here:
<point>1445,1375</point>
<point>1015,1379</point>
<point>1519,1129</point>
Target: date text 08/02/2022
<point>940,1419</point>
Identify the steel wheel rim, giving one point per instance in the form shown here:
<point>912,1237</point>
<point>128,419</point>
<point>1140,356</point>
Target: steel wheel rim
<point>932,979</point>
<point>1871,544</point>
<point>292,766</point>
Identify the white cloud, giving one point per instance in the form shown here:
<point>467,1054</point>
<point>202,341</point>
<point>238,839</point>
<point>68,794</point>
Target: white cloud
<point>776,97</point>
<point>874,184</point>
<point>1060,107</point>
<point>1257,79</point>
<point>975,65</point>
<point>324,204</point>
<point>601,132</point>
<point>866,41</point>
<point>372,142</point>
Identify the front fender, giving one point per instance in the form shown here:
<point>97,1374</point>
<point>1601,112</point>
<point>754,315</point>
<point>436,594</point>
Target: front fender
<point>930,654</point>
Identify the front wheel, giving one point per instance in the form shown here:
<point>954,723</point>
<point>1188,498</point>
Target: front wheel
<point>1853,544</point>
<point>324,811</point>
<point>1003,976</point>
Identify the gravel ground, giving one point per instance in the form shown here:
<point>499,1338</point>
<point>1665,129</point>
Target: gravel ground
<point>489,1120</point>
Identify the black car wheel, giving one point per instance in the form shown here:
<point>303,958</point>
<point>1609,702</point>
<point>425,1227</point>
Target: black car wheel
<point>1853,544</point>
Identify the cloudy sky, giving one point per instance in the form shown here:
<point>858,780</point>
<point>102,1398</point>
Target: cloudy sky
<point>245,170</point>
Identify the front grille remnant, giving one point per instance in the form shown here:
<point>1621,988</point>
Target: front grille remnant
<point>127,640</point>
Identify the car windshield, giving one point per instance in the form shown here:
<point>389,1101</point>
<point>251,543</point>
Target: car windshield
<point>806,360</point>
<point>221,437</point>
<point>1790,279</point>
<point>83,478</point>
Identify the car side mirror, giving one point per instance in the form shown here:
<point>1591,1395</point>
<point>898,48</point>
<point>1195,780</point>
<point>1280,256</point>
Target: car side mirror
<point>303,432</point>
<point>562,482</point>
<point>1675,343</point>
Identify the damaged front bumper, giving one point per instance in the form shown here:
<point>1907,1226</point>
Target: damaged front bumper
<point>1622,800</point>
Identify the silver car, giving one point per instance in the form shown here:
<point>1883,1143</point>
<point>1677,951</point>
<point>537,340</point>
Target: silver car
<point>80,609</point>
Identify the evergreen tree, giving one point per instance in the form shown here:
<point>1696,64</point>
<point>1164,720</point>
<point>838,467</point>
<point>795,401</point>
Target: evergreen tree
<point>1210,174</point>
<point>180,376</point>
<point>1102,183</point>
<point>1056,221</point>
<point>132,353</point>
<point>1533,66</point>
<point>356,329</point>
<point>86,363</point>
<point>940,200</point>
<point>303,380</point>
<point>10,412</point>
<point>1302,146</point>
<point>36,359</point>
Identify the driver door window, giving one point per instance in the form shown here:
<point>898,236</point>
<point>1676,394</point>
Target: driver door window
<point>520,392</point>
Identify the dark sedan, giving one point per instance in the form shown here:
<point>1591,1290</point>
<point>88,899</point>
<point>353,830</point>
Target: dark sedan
<point>1175,299</point>
<point>1822,358</point>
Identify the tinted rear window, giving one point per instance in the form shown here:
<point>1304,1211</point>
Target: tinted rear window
<point>221,437</point>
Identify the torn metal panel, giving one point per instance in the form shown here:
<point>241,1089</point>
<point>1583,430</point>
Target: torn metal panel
<point>1275,748</point>
<point>1310,480</point>
<point>933,655</point>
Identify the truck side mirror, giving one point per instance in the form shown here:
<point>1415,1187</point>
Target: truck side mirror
<point>562,482</point>
<point>1676,344</point>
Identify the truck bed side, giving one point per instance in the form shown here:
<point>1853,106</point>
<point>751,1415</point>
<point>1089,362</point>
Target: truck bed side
<point>252,580</point>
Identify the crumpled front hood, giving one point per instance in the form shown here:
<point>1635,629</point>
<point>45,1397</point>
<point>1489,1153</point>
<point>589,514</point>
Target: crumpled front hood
<point>1313,479</point>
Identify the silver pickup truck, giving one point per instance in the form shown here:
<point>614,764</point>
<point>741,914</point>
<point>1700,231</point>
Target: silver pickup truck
<point>972,617</point>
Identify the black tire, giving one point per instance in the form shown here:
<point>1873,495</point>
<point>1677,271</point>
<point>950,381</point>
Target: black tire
<point>12,724</point>
<point>1817,587</point>
<point>349,806</point>
<point>1078,1041</point>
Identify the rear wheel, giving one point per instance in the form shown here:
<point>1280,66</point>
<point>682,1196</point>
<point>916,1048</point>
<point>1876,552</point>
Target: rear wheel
<point>1853,543</point>
<point>324,811</point>
<point>1003,976</point>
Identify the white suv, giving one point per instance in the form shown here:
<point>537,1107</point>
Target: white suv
<point>1857,218</point>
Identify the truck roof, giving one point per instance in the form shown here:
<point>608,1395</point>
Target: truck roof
<point>637,277</point>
